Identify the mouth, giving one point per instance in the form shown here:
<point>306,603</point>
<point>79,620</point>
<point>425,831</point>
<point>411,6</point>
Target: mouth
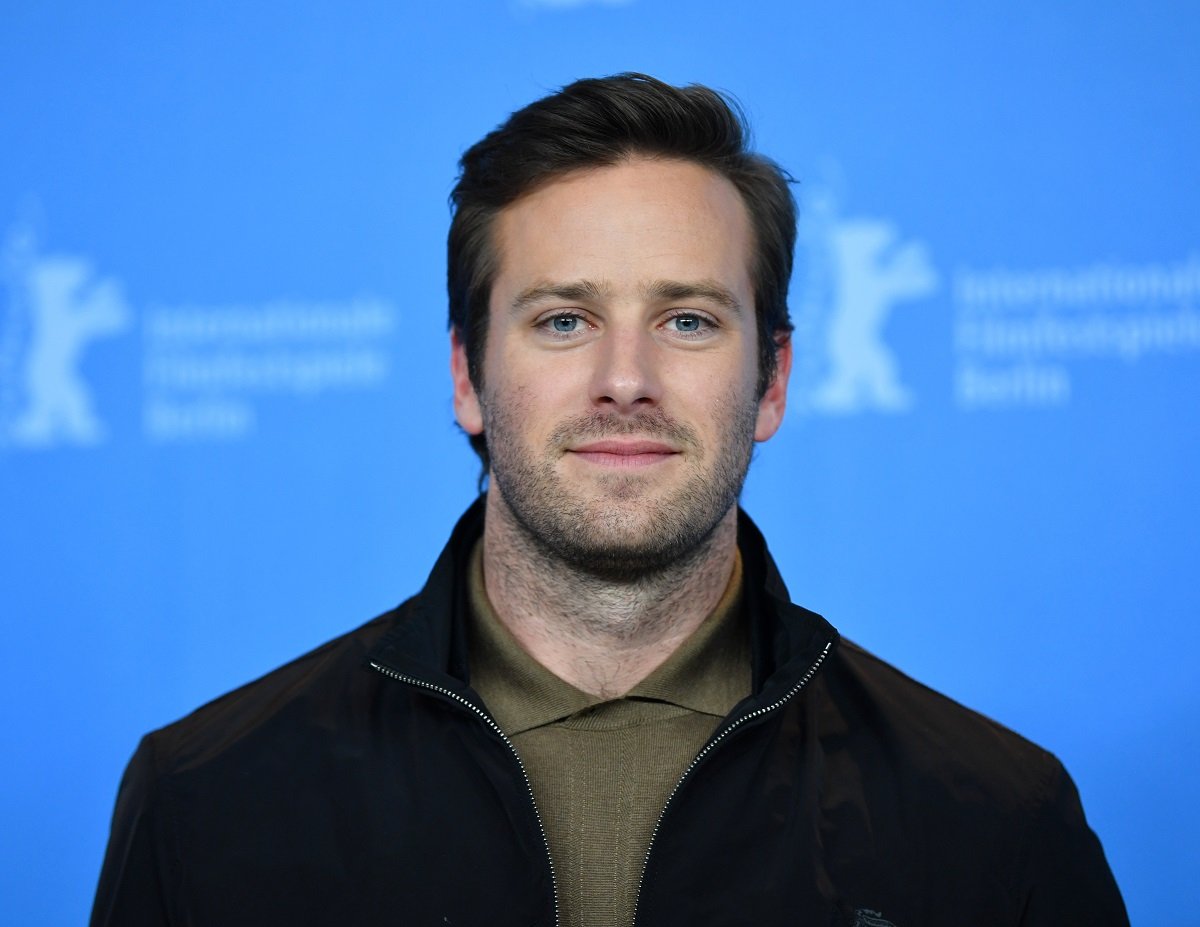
<point>624,454</point>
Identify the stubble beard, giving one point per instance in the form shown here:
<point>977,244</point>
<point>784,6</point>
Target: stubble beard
<point>621,526</point>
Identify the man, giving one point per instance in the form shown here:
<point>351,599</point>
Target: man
<point>603,709</point>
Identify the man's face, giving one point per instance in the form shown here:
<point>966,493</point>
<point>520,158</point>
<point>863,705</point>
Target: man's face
<point>620,367</point>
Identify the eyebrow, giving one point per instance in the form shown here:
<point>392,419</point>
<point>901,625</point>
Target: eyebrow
<point>710,290</point>
<point>575,291</point>
<point>657,290</point>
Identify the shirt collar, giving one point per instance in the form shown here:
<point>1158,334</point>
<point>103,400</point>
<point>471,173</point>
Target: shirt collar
<point>708,673</point>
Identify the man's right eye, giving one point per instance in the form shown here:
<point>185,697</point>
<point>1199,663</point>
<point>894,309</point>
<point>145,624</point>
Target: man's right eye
<point>564,324</point>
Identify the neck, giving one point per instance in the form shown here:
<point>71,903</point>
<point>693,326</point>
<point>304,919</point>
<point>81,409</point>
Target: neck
<point>601,634</point>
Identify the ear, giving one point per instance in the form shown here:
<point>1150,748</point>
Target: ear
<point>774,400</point>
<point>466,401</point>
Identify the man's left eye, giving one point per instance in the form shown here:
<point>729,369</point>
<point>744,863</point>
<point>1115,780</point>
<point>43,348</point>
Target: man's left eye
<point>687,323</point>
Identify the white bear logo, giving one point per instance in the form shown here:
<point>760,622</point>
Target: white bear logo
<point>872,273</point>
<point>66,308</point>
<point>851,274</point>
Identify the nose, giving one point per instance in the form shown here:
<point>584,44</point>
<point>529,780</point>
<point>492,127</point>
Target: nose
<point>626,377</point>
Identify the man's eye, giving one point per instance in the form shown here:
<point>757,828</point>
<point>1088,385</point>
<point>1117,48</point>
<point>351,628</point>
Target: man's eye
<point>564,324</point>
<point>687,323</point>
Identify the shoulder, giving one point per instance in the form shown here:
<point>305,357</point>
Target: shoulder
<point>936,745</point>
<point>301,693</point>
<point>192,786</point>
<point>981,801</point>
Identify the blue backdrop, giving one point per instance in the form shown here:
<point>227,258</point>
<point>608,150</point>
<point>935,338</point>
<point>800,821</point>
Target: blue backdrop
<point>225,421</point>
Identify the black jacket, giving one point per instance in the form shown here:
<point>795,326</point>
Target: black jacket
<point>365,783</point>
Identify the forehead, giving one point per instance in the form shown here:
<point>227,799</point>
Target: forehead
<point>625,224</point>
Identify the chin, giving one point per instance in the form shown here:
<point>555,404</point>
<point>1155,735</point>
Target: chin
<point>627,543</point>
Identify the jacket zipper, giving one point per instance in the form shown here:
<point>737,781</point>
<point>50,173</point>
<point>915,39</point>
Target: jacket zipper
<point>758,712</point>
<point>410,680</point>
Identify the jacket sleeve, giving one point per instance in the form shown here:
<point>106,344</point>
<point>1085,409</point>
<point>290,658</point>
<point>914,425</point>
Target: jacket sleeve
<point>1067,880</point>
<point>132,888</point>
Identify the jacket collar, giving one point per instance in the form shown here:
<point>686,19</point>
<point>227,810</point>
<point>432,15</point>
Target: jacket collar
<point>428,640</point>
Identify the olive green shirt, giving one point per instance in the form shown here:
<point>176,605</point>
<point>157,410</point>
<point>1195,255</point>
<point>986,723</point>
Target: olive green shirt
<point>602,770</point>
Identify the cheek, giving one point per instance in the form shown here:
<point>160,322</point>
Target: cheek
<point>538,389</point>
<point>507,413</point>
<point>723,381</point>
<point>724,403</point>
